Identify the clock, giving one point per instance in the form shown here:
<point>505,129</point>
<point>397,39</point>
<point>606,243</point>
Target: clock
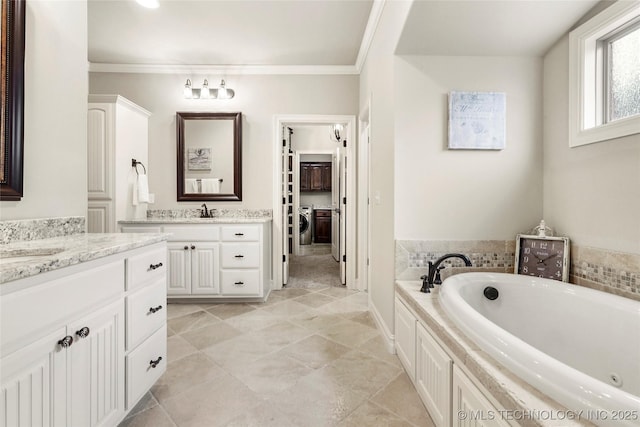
<point>542,256</point>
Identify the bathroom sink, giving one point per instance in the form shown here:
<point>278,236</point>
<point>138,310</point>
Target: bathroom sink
<point>21,255</point>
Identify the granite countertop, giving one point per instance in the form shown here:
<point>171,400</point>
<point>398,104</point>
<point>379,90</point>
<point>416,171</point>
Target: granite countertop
<point>514,395</point>
<point>197,220</point>
<point>22,259</point>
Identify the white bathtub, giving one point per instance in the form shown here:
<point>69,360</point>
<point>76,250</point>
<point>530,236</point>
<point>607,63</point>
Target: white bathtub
<point>579,346</point>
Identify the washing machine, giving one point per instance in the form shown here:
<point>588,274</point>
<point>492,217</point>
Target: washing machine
<point>306,220</point>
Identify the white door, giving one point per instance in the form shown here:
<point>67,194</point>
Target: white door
<point>97,367</point>
<point>335,205</point>
<point>178,268</point>
<point>287,207</point>
<point>204,268</point>
<point>343,214</point>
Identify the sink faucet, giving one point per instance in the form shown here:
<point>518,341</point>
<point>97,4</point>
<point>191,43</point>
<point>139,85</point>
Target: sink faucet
<point>204,213</point>
<point>434,271</point>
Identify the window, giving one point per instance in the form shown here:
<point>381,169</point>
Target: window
<point>604,67</point>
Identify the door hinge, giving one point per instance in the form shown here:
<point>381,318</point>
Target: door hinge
<point>284,200</point>
<point>344,143</point>
<point>367,261</point>
<point>284,142</point>
<point>284,258</point>
<point>344,200</point>
<point>344,258</point>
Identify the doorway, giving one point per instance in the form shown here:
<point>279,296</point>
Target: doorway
<point>311,160</point>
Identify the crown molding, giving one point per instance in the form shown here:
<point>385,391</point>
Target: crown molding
<point>369,32</point>
<point>223,69</point>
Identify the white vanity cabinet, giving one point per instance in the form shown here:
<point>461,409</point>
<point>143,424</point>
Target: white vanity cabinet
<point>445,389</point>
<point>215,260</point>
<point>63,342</point>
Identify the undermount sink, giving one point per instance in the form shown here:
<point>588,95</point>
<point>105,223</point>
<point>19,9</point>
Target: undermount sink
<point>21,255</point>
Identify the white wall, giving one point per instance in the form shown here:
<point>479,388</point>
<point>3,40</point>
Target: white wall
<point>443,194</point>
<point>55,112</point>
<point>376,87</point>
<point>258,97</point>
<point>591,192</point>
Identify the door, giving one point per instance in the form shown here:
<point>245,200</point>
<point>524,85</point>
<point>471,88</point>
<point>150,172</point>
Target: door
<point>343,213</point>
<point>335,206</point>
<point>178,268</point>
<point>204,265</point>
<point>287,223</point>
<point>97,367</point>
<point>34,383</point>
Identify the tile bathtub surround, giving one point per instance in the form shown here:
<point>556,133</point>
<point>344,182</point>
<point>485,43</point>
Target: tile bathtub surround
<point>219,213</point>
<point>43,228</point>
<point>307,357</point>
<point>412,256</point>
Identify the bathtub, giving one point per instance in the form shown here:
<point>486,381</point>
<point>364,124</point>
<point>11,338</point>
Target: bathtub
<point>579,346</point>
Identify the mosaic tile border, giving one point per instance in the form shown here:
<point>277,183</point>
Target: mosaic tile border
<point>219,213</point>
<point>604,270</point>
<point>40,228</point>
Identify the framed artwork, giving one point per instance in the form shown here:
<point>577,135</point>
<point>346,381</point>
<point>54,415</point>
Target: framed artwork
<point>12,48</point>
<point>477,120</point>
<point>199,158</point>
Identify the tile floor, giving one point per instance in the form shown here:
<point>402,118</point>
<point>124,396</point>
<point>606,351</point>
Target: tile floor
<point>310,356</point>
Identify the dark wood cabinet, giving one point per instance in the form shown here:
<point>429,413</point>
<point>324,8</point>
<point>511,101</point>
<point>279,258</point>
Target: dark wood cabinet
<point>322,225</point>
<point>315,176</point>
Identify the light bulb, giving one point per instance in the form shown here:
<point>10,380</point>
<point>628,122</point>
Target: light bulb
<point>188,93</point>
<point>204,92</point>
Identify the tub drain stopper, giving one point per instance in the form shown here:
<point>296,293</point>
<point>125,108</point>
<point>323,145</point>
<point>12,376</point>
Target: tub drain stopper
<point>491,293</point>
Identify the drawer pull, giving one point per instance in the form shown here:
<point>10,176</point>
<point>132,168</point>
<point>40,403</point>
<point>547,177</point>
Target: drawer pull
<point>66,341</point>
<point>186,248</point>
<point>154,266</point>
<point>239,234</point>
<point>193,246</point>
<point>239,283</point>
<point>154,309</point>
<point>239,256</point>
<point>83,332</point>
<point>155,363</point>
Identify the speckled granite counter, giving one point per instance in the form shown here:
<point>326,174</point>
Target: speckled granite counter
<point>515,395</point>
<point>215,220</point>
<point>21,259</point>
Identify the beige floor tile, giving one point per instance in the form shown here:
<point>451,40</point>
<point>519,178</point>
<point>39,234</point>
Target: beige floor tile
<point>282,333</point>
<point>376,347</point>
<point>365,318</point>
<point>349,333</point>
<point>290,292</point>
<point>178,347</point>
<point>370,414</point>
<point>287,308</point>
<point>155,417</point>
<point>195,320</point>
<point>272,374</point>
<point>314,351</point>
<point>263,415</point>
<point>314,299</point>
<point>359,298</point>
<point>177,310</point>
<point>225,311</point>
<point>146,402</point>
<point>253,320</point>
<point>401,398</point>
<point>338,292</point>
<point>343,308</point>
<point>315,320</point>
<point>213,403</point>
<point>184,374</point>
<point>273,298</point>
<point>210,335</point>
<point>239,352</point>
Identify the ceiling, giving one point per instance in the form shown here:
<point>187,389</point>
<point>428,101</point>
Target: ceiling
<point>312,33</point>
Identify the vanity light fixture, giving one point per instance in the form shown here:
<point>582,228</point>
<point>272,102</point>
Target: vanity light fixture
<point>336,132</point>
<point>221,92</point>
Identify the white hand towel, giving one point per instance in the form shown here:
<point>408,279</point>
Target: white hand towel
<point>143,189</point>
<point>210,186</point>
<point>191,186</point>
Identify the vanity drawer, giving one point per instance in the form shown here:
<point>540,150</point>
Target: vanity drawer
<point>140,371</point>
<point>241,233</point>
<point>240,255</point>
<point>146,266</point>
<point>146,312</point>
<point>240,282</point>
<point>192,233</point>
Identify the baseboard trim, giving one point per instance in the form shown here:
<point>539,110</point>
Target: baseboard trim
<point>387,336</point>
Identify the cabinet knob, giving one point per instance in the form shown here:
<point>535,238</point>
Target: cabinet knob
<point>155,363</point>
<point>66,341</point>
<point>193,247</point>
<point>239,256</point>
<point>83,332</point>
<point>186,248</point>
<point>239,283</point>
<point>154,309</point>
<point>239,234</point>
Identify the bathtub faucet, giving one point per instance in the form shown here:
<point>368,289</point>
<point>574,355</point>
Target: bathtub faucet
<point>434,271</point>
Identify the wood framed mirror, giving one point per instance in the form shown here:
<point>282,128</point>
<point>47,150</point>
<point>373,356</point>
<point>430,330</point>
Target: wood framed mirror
<point>12,142</point>
<point>209,156</point>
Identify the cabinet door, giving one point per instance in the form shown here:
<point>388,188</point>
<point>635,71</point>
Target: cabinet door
<point>433,377</point>
<point>315,178</point>
<point>468,399</point>
<point>322,228</point>
<point>304,177</point>
<point>204,269</point>
<point>179,268</point>
<point>96,362</point>
<point>34,384</point>
<point>326,177</point>
<point>406,338</point>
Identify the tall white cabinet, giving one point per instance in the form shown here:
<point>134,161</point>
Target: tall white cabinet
<point>117,131</point>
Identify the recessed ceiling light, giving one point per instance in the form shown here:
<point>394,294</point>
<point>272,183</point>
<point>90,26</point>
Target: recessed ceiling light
<point>151,4</point>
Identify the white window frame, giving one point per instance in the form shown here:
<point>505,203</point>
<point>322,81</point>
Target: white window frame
<point>587,80</point>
